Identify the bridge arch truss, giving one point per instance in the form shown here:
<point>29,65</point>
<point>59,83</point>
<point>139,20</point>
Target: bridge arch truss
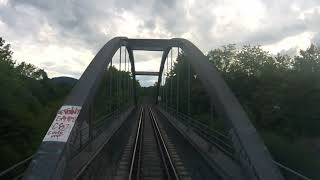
<point>52,156</point>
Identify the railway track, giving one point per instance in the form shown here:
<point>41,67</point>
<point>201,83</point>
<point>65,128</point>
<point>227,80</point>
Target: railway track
<point>146,155</point>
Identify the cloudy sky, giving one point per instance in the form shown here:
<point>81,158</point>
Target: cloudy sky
<point>62,36</point>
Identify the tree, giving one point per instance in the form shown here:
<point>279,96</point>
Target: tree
<point>308,61</point>
<point>6,53</point>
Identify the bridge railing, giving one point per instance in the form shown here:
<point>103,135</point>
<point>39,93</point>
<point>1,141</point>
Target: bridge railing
<point>215,137</point>
<point>17,170</point>
<point>99,126</point>
<point>223,142</point>
<point>100,163</point>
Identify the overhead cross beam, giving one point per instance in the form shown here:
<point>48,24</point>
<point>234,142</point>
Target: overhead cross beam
<point>149,44</point>
<point>147,73</point>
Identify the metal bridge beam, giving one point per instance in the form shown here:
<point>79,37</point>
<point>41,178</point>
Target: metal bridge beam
<point>147,73</point>
<point>250,149</point>
<point>163,60</point>
<point>149,44</point>
<point>52,156</point>
<point>133,71</point>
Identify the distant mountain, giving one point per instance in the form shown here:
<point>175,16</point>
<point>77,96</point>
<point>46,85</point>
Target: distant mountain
<point>63,80</point>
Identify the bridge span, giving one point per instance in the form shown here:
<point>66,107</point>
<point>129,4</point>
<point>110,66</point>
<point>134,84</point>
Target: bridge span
<point>106,130</point>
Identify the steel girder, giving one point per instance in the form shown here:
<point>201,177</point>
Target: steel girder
<point>52,157</point>
<point>253,155</point>
<point>147,73</point>
<point>250,149</point>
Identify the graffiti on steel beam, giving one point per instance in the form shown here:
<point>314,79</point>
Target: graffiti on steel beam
<point>63,123</point>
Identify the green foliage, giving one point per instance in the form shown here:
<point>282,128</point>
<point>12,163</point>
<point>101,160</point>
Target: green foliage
<point>308,61</point>
<point>281,95</point>
<point>297,154</point>
<point>31,71</point>
<point>28,103</point>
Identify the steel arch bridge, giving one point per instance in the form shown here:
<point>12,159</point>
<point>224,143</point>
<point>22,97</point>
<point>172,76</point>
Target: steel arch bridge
<point>55,157</point>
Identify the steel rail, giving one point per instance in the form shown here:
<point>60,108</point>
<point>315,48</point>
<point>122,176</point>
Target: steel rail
<point>165,155</point>
<point>135,160</point>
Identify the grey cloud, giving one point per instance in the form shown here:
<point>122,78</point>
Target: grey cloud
<point>16,18</point>
<point>77,20</point>
<point>77,23</point>
<point>282,21</point>
<point>316,39</point>
<point>64,69</point>
<point>274,34</point>
<point>47,64</point>
<point>147,80</point>
<point>291,52</point>
<point>74,21</point>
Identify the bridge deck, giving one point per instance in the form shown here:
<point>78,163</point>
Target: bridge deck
<point>151,165</point>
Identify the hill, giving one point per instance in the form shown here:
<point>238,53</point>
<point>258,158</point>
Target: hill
<point>63,80</point>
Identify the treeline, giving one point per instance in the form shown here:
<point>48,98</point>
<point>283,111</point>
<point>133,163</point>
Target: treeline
<point>28,103</point>
<point>281,95</point>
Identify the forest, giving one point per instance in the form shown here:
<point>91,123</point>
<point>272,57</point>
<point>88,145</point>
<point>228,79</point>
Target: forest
<point>280,93</point>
